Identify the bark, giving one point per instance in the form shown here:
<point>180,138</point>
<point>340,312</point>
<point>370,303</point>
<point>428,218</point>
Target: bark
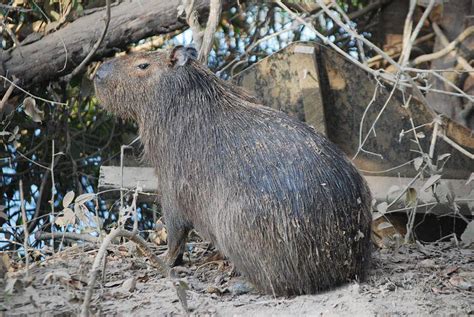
<point>392,19</point>
<point>58,53</point>
<point>457,16</point>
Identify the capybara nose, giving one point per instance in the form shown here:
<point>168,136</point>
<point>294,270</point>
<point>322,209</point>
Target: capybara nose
<point>103,71</point>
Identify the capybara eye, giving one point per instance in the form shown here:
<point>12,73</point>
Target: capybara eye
<point>143,66</point>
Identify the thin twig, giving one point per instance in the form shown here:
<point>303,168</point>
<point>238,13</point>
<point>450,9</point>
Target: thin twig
<point>372,128</point>
<point>445,42</point>
<point>407,187</point>
<point>407,30</point>
<point>116,233</point>
<point>39,235</point>
<point>53,189</point>
<point>86,60</point>
<point>396,50</point>
<point>294,26</point>
<point>407,50</point>
<point>30,94</point>
<point>389,169</point>
<point>416,90</point>
<point>361,124</point>
<point>211,28</point>
<point>14,8</point>
<point>13,37</point>
<point>7,95</point>
<point>410,224</point>
<point>25,227</point>
<point>450,84</point>
<point>434,137</point>
<point>415,135</point>
<point>360,45</point>
<point>457,146</point>
<point>446,49</point>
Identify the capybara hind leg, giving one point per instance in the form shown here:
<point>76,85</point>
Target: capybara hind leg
<point>176,244</point>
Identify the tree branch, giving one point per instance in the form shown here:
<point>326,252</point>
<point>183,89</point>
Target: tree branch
<point>211,27</point>
<point>131,21</point>
<point>86,60</point>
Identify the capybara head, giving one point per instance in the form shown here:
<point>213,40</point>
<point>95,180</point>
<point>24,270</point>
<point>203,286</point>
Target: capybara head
<point>125,84</point>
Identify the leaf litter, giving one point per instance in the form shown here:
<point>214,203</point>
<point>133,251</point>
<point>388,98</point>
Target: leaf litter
<point>408,280</point>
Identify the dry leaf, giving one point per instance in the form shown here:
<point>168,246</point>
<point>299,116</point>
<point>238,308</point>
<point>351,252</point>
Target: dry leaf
<point>427,264</point>
<point>382,207</point>
<point>460,282</point>
<point>430,182</point>
<point>81,199</point>
<point>160,236</point>
<point>443,156</point>
<point>3,214</point>
<point>52,277</point>
<point>384,225</point>
<point>420,135</point>
<point>181,288</point>
<point>417,162</point>
<point>31,110</point>
<point>81,213</point>
<point>12,285</point>
<point>468,235</point>
<point>376,215</point>
<point>470,179</point>
<point>68,218</point>
<point>129,285</point>
<point>411,195</point>
<point>68,198</point>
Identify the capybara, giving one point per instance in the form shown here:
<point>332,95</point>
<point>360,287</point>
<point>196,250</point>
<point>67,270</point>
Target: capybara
<point>278,199</point>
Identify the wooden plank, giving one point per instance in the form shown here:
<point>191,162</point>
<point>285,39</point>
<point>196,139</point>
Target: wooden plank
<point>384,188</point>
<point>144,177</point>
<point>379,185</point>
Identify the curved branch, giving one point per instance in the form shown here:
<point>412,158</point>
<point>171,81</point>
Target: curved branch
<point>211,27</point>
<point>86,60</point>
<point>446,50</point>
<point>101,254</point>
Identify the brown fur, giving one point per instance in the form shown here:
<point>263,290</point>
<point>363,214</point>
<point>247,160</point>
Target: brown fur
<point>280,200</point>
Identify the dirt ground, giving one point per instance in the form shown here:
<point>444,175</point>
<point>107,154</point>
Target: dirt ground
<point>431,279</point>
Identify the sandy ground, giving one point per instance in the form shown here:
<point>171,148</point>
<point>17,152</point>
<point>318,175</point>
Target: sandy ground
<point>433,279</point>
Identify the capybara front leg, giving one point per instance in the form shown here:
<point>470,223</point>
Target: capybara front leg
<point>176,244</point>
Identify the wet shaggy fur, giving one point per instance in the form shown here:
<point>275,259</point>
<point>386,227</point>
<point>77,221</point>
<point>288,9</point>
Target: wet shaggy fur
<point>278,199</point>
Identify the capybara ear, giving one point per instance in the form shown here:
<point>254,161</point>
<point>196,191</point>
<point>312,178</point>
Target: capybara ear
<point>180,55</point>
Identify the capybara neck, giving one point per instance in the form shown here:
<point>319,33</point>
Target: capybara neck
<point>192,90</point>
<point>187,101</point>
